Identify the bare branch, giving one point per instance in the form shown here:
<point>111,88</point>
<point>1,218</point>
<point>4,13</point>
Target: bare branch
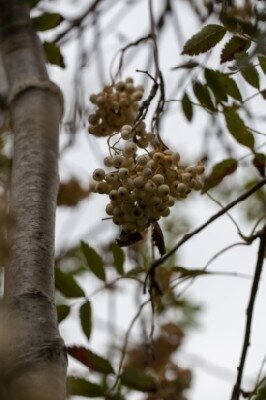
<point>250,310</point>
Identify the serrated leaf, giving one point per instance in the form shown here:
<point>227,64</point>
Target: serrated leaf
<point>187,107</point>
<point>62,312</point>
<point>82,387</point>
<point>222,84</point>
<point>33,3</point>
<point>235,45</point>
<point>219,172</point>
<point>186,65</point>
<point>237,128</point>
<point>134,271</point>
<point>138,380</point>
<point>214,83</point>
<point>85,318</point>
<point>203,95</point>
<point>247,70</point>
<point>184,272</point>
<point>90,359</point>
<point>94,261</point>
<point>259,162</point>
<point>67,285</point>
<point>262,61</point>
<point>118,258</point>
<point>204,40</point>
<point>53,54</point>
<point>46,21</point>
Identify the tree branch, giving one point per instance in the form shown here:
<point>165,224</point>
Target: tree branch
<point>250,310</point>
<point>186,237</point>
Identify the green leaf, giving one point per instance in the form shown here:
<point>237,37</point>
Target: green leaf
<point>214,83</point>
<point>135,271</point>
<point>235,45</point>
<point>138,380</point>
<point>53,54</point>
<point>237,128</point>
<point>85,318</point>
<point>94,261</point>
<point>222,84</point>
<point>118,257</point>
<point>33,3</point>
<point>247,70</point>
<point>219,172</point>
<point>262,61</point>
<point>187,107</point>
<point>62,312</point>
<point>67,285</point>
<point>259,162</point>
<point>82,387</point>
<point>203,95</point>
<point>186,65</point>
<point>184,272</point>
<point>47,21</point>
<point>204,40</point>
<point>90,359</point>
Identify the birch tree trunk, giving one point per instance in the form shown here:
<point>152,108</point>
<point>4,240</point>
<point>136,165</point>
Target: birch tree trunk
<point>33,354</point>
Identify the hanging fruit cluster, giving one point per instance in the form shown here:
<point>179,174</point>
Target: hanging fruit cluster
<point>145,179</point>
<point>117,105</point>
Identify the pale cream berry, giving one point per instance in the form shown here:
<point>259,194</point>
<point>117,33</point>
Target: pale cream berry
<point>109,209</point>
<point>158,179</point>
<point>142,221</point>
<point>142,160</point>
<point>155,201</point>
<point>151,164</point>
<point>147,173</point>
<point>182,188</point>
<point>200,169</point>
<point>158,157</point>
<point>111,178</point>
<point>118,161</point>
<point>123,173</point>
<point>129,227</point>
<point>175,158</point>
<point>137,212</point>
<point>150,187</point>
<point>197,185</point>
<point>186,177</point>
<point>113,195</point>
<point>166,212</point>
<point>102,188</point>
<point>139,182</point>
<point>126,207</point>
<point>130,149</point>
<point>163,190</point>
<point>117,212</point>
<point>129,184</point>
<point>192,170</point>
<point>122,192</point>
<point>98,174</point>
<point>108,161</point>
<point>171,201</point>
<point>167,161</point>
<point>126,135</point>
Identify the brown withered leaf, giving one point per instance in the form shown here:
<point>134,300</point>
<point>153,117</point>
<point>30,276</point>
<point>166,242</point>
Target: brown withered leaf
<point>158,238</point>
<point>71,193</point>
<point>126,239</point>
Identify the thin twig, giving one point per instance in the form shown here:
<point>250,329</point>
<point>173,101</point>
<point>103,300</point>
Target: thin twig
<point>186,237</point>
<point>249,313</point>
<point>77,21</point>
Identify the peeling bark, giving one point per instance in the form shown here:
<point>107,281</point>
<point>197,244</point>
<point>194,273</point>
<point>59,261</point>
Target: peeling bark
<point>33,354</point>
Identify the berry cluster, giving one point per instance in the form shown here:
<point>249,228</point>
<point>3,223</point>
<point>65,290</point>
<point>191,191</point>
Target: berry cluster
<point>146,178</point>
<point>117,105</point>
